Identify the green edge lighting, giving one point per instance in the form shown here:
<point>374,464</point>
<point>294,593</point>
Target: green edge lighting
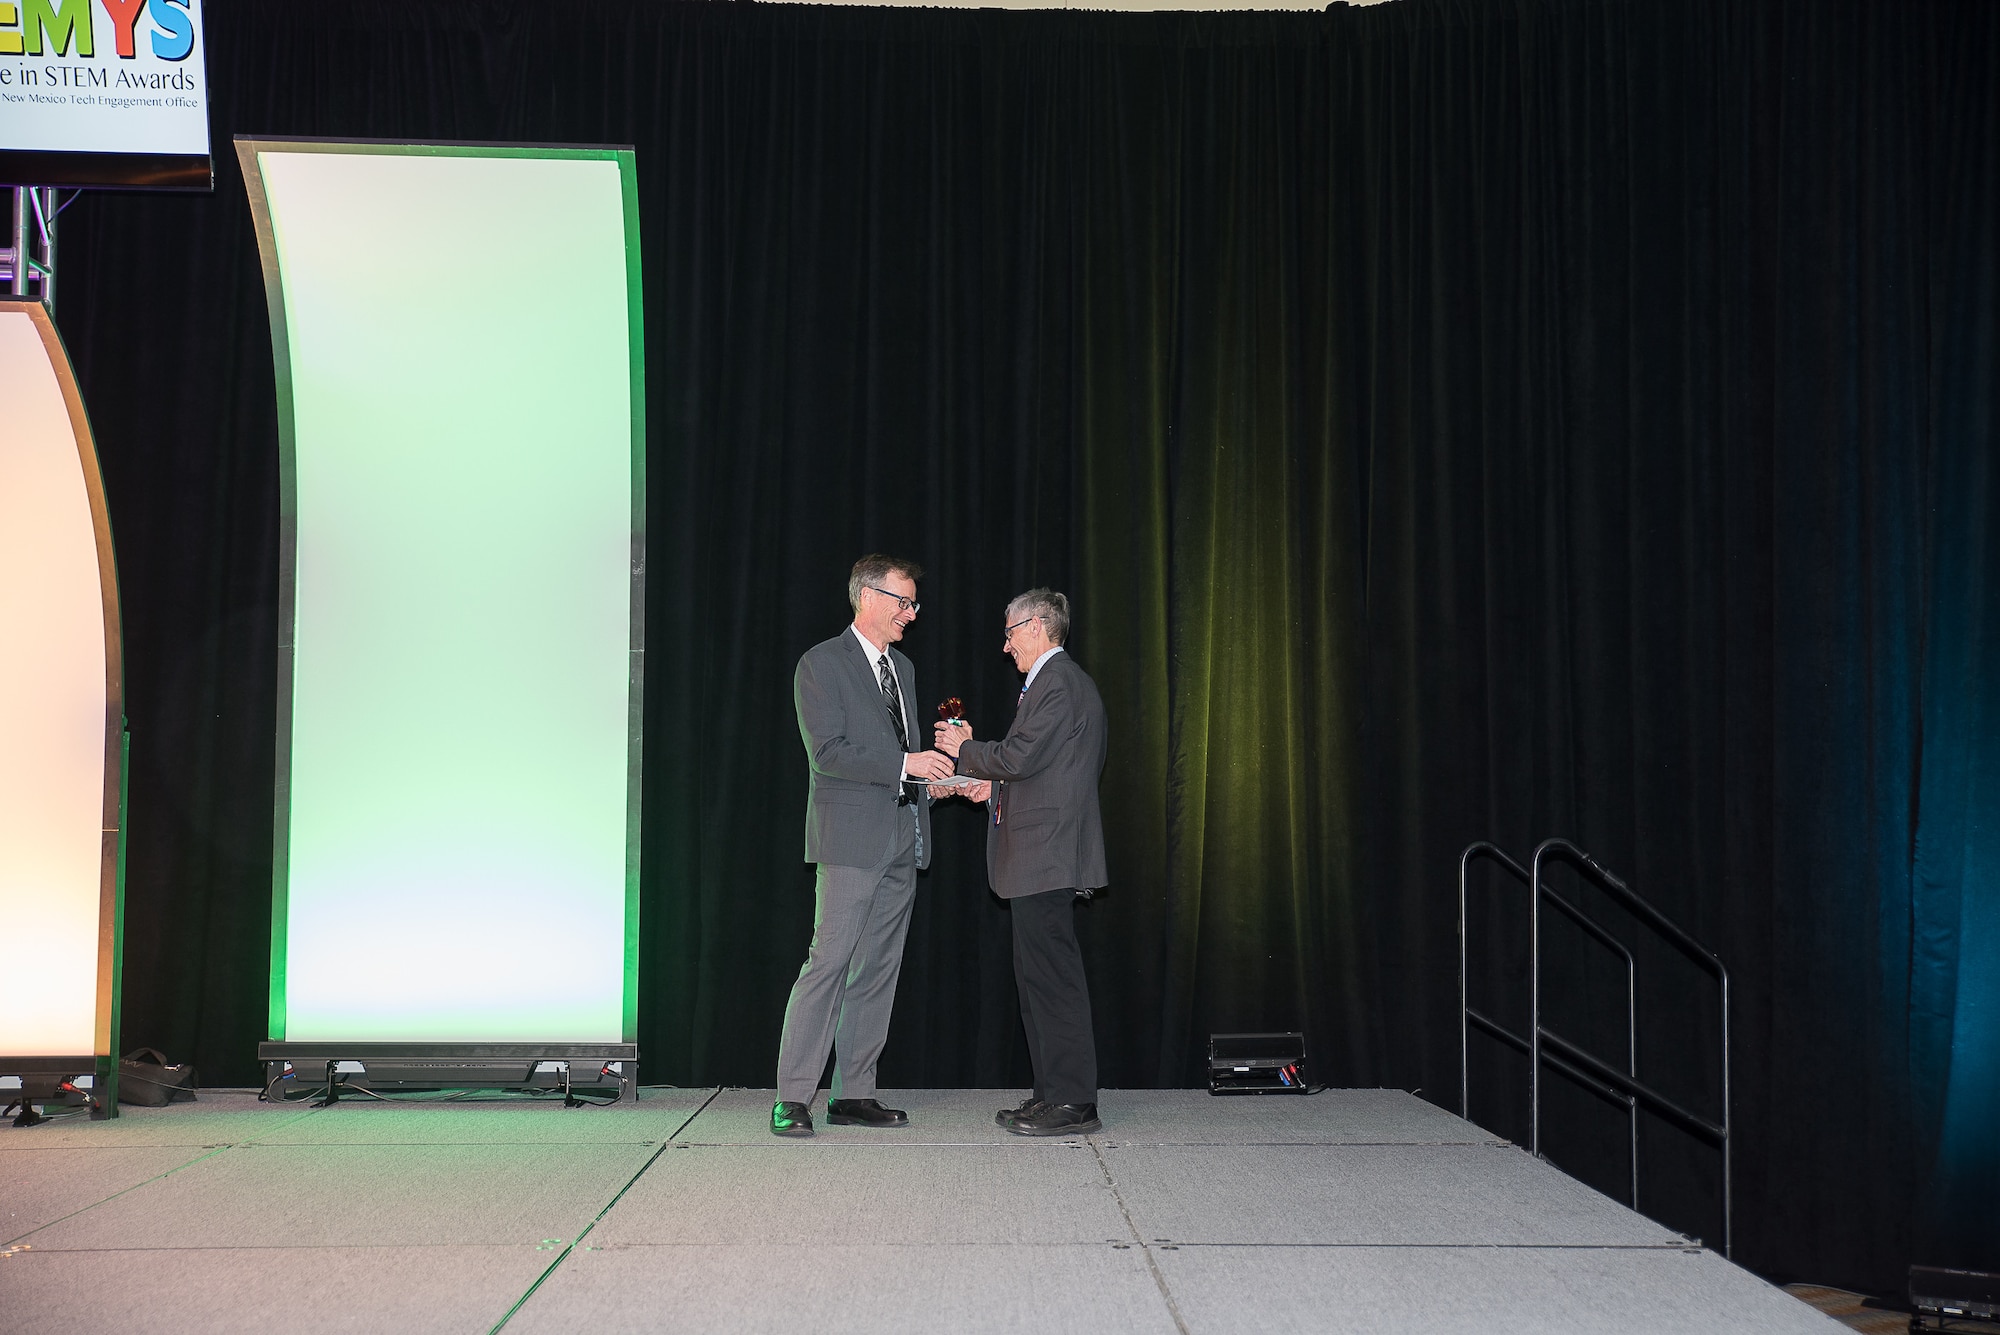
<point>458,348</point>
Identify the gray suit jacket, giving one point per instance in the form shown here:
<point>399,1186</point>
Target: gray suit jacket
<point>852,753</point>
<point>1050,835</point>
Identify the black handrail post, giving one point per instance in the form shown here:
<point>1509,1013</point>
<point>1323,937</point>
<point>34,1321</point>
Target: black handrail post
<point>1535,1003</point>
<point>1632,1064</point>
<point>1483,848</point>
<point>1728,1141</point>
<point>1464,1003</point>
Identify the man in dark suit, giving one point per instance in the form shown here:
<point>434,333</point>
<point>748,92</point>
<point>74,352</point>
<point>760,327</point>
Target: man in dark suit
<point>1044,852</point>
<point>868,828</point>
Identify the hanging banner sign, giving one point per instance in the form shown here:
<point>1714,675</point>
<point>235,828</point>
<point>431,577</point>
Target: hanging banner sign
<point>103,93</point>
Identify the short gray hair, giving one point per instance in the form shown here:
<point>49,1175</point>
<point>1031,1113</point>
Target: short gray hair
<point>1050,606</point>
<point>873,569</point>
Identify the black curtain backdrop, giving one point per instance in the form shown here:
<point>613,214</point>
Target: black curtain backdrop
<point>1452,419</point>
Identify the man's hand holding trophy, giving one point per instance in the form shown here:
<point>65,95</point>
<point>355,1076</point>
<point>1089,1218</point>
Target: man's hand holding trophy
<point>951,730</point>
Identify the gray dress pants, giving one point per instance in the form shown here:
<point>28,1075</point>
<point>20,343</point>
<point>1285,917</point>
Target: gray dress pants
<point>847,988</point>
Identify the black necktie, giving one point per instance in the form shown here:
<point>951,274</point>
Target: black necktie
<point>894,699</point>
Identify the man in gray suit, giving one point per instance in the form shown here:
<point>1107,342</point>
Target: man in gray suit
<point>1044,852</point>
<point>868,827</point>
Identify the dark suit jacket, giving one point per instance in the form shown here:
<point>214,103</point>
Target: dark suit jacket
<point>852,753</point>
<point>1050,835</point>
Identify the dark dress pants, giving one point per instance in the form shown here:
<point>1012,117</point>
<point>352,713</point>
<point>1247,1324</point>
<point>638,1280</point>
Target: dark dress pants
<point>1055,999</point>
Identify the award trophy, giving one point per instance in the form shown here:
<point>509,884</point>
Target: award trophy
<point>952,711</point>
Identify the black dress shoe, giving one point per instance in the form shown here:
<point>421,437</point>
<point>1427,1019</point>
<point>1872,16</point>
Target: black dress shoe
<point>1029,1107</point>
<point>1057,1119</point>
<point>863,1112</point>
<point>791,1119</point>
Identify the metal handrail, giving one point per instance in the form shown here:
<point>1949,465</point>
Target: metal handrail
<point>1545,1047</point>
<point>1701,956</point>
<point>1468,1016</point>
<point>1520,1045</point>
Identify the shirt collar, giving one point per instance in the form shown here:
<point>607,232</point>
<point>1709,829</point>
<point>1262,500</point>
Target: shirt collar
<point>875,651</point>
<point>1047,654</point>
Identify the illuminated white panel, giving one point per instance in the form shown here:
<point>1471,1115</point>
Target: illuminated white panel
<point>53,710</point>
<point>457,758</point>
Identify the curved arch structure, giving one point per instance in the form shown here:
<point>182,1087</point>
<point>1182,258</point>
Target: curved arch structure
<point>61,725</point>
<point>461,588</point>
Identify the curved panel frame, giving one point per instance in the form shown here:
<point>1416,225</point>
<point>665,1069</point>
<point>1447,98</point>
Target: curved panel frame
<point>62,764</point>
<point>418,896</point>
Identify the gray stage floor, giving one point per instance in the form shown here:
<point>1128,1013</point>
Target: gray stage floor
<point>1354,1210</point>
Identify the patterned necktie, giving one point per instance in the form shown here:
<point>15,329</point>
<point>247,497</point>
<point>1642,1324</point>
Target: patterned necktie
<point>894,699</point>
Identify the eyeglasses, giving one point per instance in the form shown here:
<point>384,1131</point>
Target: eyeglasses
<point>1008,637</point>
<point>902,603</point>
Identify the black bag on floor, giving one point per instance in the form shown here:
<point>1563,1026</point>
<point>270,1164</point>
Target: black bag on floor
<point>148,1080</point>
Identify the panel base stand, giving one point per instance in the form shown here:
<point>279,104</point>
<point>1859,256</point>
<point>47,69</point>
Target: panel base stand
<point>69,1083</point>
<point>296,1071</point>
